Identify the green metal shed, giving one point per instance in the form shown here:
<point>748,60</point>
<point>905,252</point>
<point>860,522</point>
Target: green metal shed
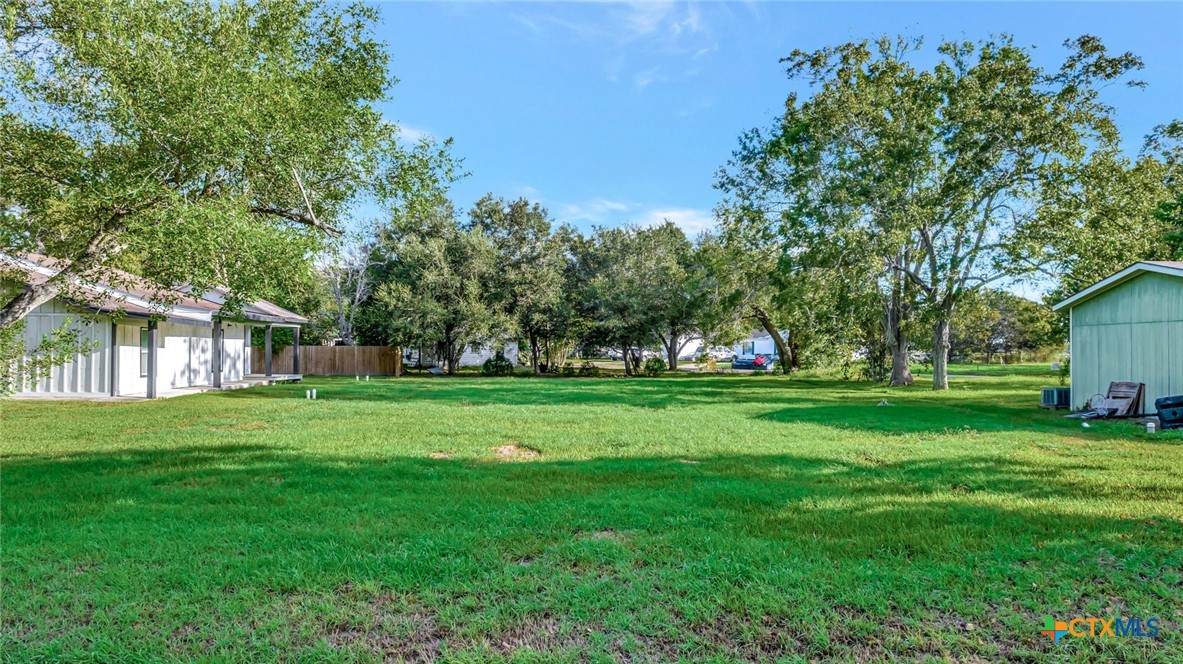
<point>1128,327</point>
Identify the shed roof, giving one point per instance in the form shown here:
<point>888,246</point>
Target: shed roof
<point>134,296</point>
<point>1173,268</point>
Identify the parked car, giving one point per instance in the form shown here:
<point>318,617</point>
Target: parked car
<point>721,354</point>
<point>757,363</point>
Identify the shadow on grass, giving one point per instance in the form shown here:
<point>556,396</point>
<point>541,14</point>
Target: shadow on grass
<point>991,406</point>
<point>230,536</point>
<point>765,495</point>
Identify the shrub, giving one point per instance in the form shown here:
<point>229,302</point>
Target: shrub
<point>588,370</point>
<point>497,366</point>
<point>654,366</point>
<point>568,370</point>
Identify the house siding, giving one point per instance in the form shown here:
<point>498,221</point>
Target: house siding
<point>470,358</point>
<point>184,354</point>
<point>88,373</point>
<point>1131,332</point>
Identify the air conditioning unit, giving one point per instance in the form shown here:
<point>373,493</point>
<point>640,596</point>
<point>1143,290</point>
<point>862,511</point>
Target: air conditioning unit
<point>1055,397</point>
<point>1170,411</point>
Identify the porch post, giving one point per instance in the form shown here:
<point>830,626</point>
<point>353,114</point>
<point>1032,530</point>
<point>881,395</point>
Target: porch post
<point>296,350</point>
<point>216,355</point>
<point>267,350</point>
<point>153,336</point>
<point>114,357</point>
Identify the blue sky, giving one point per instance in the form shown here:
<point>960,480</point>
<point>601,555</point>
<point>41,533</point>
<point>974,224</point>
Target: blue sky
<point>614,113</point>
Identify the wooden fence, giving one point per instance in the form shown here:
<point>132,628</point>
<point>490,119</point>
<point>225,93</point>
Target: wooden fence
<point>333,361</point>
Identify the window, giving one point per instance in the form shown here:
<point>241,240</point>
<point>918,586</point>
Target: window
<point>749,348</point>
<point>143,352</point>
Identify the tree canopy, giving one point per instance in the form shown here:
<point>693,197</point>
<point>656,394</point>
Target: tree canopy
<point>199,143</point>
<point>945,176</point>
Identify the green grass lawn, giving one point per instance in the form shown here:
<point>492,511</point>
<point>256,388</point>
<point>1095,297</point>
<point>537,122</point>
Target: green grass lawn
<point>691,517</point>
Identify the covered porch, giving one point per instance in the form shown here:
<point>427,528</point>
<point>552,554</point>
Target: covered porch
<point>240,377</point>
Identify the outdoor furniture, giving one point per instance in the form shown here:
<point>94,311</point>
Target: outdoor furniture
<point>1124,398</point>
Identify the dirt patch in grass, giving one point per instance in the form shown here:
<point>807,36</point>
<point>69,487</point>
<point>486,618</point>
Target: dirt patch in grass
<point>439,454</point>
<point>693,462</point>
<point>607,534</point>
<point>396,637</point>
<point>542,634</point>
<point>515,452</point>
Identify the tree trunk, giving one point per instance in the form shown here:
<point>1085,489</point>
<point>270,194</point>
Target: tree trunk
<point>534,354</point>
<point>450,352</point>
<point>786,354</point>
<point>28,300</point>
<point>672,349</point>
<point>897,339</point>
<point>36,295</point>
<point>624,354</point>
<point>940,353</point>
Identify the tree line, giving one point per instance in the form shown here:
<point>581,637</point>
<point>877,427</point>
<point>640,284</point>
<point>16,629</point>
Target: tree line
<point>888,210</point>
<point>442,280</point>
<point>906,193</point>
<point>885,213</point>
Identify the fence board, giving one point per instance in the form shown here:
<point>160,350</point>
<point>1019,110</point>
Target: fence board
<point>333,361</point>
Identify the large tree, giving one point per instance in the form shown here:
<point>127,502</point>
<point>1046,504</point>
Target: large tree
<point>619,271</point>
<point>347,271</point>
<point>528,284</point>
<point>201,143</point>
<point>438,286</point>
<point>1112,210</point>
<point>752,251</point>
<point>946,171</point>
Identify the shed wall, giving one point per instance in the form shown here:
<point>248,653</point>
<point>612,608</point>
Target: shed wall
<point>1132,332</point>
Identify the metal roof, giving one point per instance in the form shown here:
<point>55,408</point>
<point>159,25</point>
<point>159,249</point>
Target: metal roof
<point>136,297</point>
<point>1173,268</point>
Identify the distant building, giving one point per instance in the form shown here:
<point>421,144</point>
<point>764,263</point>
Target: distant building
<point>472,355</point>
<point>1128,327</point>
<point>759,343</point>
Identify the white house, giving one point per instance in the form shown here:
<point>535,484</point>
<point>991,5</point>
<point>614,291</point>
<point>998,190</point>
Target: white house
<point>759,343</point>
<point>472,355</point>
<point>143,346</point>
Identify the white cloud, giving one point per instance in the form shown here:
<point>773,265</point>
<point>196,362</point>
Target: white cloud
<point>609,212</point>
<point>643,79</point>
<point>527,192</point>
<point>412,134</point>
<point>635,36</point>
<point>595,211</point>
<point>692,221</point>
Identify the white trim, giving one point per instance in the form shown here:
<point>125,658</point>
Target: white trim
<point>1115,279</point>
<point>1071,373</point>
